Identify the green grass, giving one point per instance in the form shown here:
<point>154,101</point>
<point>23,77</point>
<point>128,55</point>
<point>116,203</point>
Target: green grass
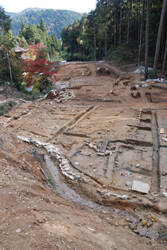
<point>50,181</point>
<point>6,107</point>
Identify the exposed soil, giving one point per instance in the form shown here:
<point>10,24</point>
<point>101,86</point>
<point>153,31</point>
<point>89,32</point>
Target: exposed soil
<point>68,166</point>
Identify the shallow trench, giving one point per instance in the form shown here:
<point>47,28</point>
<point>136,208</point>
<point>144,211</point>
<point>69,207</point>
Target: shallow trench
<point>62,189</point>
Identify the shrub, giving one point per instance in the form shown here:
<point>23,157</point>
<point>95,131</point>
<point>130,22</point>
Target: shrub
<point>6,107</point>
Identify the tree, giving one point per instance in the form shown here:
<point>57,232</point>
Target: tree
<point>116,29</point>
<point>37,66</point>
<point>42,25</point>
<point>7,42</point>
<point>128,25</point>
<point>163,12</point>
<point>21,42</point>
<point>34,34</point>
<point>164,58</point>
<point>72,42</point>
<point>5,22</point>
<point>147,38</point>
<point>141,33</point>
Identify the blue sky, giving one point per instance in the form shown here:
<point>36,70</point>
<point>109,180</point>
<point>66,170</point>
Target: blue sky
<point>76,5</point>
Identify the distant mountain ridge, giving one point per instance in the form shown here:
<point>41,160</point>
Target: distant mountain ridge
<point>55,20</point>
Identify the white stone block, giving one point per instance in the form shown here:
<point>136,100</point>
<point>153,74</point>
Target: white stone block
<point>140,187</point>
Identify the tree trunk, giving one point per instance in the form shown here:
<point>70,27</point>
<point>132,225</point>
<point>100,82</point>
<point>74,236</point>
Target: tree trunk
<point>100,50</point>
<point>139,21</point>
<point>115,30</point>
<point>94,43</point>
<point>120,26</point>
<point>147,38</point>
<point>128,28</point>
<point>117,26</point>
<point>105,47</point>
<point>164,59</point>
<point>159,35</point>
<point>141,33</point>
<point>10,69</point>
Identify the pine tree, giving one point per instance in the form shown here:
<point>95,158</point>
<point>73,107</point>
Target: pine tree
<point>42,25</point>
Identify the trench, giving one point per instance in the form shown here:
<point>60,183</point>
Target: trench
<point>56,163</point>
<point>156,155</point>
<point>62,189</point>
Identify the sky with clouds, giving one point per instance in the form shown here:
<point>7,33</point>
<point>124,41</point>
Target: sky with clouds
<point>82,6</point>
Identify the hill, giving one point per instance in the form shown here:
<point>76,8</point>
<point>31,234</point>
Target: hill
<point>11,14</point>
<point>55,20</point>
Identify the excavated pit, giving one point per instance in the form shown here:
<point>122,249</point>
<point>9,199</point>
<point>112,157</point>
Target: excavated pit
<point>99,148</point>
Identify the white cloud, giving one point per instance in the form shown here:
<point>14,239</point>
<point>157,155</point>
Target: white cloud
<point>76,5</point>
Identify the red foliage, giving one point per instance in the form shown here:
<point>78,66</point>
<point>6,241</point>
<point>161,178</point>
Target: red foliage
<point>40,64</point>
<point>36,49</point>
<point>37,66</point>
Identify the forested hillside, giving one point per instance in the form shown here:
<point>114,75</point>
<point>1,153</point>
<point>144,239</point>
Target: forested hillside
<point>129,31</point>
<point>26,60</point>
<point>55,20</point>
<point>125,29</point>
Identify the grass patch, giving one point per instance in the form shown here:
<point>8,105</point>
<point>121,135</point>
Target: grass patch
<point>50,181</point>
<point>6,107</point>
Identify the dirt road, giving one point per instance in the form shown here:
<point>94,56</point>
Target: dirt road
<point>86,170</point>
